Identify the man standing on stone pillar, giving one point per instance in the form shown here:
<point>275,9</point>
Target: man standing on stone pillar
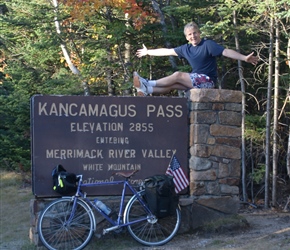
<point>201,54</point>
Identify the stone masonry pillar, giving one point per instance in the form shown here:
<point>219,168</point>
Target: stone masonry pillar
<point>215,153</point>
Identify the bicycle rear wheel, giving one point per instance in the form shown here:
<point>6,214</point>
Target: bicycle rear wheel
<point>153,231</point>
<point>55,229</point>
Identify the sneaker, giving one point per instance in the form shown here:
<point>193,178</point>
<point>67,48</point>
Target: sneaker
<point>142,91</point>
<point>138,80</point>
<point>140,84</point>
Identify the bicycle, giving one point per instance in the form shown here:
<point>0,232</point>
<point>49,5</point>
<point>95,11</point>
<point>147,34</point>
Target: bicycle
<point>69,222</point>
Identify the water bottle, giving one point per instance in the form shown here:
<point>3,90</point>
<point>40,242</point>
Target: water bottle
<point>102,206</point>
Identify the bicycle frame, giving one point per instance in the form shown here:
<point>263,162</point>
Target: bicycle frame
<point>116,224</point>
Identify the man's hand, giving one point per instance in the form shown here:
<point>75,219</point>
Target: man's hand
<point>252,59</point>
<point>142,52</point>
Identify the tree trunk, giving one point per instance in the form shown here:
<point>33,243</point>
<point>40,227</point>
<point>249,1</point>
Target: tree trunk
<point>109,71</point>
<point>288,99</point>
<point>109,74</point>
<point>127,57</point>
<point>275,115</point>
<point>288,150</point>
<point>65,53</point>
<point>241,78</point>
<point>268,117</point>
<point>156,7</point>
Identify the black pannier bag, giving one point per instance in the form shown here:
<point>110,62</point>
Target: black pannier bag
<point>64,183</point>
<point>160,195</point>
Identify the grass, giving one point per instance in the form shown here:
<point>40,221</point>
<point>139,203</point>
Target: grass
<point>225,224</point>
<point>14,212</point>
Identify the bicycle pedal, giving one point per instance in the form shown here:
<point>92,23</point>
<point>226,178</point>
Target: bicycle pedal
<point>99,236</point>
<point>119,230</point>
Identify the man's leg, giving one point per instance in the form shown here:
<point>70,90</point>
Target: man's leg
<point>165,90</point>
<point>178,80</point>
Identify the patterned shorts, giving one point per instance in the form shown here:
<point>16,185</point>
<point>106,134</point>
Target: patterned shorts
<point>201,81</point>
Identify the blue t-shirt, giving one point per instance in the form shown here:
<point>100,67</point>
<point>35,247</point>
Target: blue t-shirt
<point>202,58</point>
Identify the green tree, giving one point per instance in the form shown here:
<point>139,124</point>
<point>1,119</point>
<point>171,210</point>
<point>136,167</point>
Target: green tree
<point>30,65</point>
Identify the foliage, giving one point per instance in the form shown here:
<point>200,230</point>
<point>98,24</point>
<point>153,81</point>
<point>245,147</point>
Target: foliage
<point>258,174</point>
<point>27,72</point>
<point>101,38</point>
<point>138,11</point>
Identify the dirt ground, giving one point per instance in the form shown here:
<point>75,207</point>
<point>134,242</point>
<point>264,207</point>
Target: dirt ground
<point>266,229</point>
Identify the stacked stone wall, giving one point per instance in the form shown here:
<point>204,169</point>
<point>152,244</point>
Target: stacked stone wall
<point>215,141</point>
<point>215,155</point>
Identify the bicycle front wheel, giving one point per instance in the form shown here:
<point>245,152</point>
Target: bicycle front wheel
<point>60,226</point>
<point>151,231</point>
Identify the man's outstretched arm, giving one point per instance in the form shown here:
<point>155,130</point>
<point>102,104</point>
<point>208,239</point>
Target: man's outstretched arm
<point>238,56</point>
<point>155,52</point>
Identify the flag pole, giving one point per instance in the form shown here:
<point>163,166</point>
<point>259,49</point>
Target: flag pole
<point>173,153</point>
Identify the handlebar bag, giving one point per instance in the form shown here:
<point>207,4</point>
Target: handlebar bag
<point>64,183</point>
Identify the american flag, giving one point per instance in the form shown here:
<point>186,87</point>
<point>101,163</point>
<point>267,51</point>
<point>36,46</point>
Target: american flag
<point>179,178</point>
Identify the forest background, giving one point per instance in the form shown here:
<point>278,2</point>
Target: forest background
<point>87,47</point>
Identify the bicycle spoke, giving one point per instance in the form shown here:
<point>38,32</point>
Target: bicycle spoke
<point>152,231</point>
<point>60,228</point>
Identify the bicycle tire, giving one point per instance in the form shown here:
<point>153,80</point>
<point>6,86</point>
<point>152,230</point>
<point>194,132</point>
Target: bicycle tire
<point>152,231</point>
<point>55,233</point>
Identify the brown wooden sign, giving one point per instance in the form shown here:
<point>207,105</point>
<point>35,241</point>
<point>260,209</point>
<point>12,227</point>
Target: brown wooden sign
<point>98,136</point>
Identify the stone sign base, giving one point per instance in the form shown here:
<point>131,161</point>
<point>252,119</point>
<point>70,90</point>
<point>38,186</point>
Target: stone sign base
<point>197,212</point>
